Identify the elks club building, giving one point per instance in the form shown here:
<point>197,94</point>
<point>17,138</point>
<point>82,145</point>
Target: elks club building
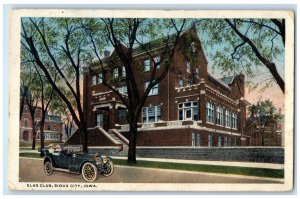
<point>178,112</point>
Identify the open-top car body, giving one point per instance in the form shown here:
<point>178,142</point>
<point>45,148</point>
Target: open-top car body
<point>89,165</point>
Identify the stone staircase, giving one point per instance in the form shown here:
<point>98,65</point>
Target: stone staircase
<point>120,139</point>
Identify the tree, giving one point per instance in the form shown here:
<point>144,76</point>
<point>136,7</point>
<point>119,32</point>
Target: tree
<point>262,114</point>
<point>57,44</point>
<point>241,45</point>
<point>58,107</point>
<point>123,35</point>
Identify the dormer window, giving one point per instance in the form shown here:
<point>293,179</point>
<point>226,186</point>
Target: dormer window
<point>193,46</point>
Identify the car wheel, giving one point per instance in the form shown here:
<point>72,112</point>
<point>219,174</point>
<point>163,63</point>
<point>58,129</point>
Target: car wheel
<point>48,168</point>
<point>89,172</point>
<point>109,170</point>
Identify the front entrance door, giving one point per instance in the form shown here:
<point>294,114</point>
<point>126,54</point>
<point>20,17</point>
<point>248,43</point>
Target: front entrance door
<point>25,135</point>
<point>102,119</point>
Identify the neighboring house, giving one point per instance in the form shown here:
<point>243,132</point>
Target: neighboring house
<point>52,127</point>
<point>189,107</point>
<point>270,135</point>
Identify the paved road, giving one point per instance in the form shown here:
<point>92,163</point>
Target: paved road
<point>31,170</point>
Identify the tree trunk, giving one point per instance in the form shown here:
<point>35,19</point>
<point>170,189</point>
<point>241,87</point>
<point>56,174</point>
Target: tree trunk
<point>132,143</point>
<point>33,138</point>
<point>83,137</point>
<point>42,139</point>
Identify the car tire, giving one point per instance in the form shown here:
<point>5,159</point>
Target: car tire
<point>48,168</point>
<point>89,172</point>
<point>110,168</point>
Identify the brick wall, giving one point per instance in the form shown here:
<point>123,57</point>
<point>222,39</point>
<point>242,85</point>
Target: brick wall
<point>236,154</point>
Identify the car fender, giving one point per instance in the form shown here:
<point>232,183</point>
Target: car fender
<point>48,158</point>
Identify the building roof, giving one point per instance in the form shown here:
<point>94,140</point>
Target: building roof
<point>24,92</point>
<point>153,44</point>
<point>220,81</point>
<point>227,80</point>
<point>54,118</point>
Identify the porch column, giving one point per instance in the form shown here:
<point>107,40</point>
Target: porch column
<point>112,116</point>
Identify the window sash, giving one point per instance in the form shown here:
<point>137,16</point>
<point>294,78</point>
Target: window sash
<point>94,80</point>
<point>100,79</point>
<point>188,111</point>
<point>188,67</point>
<point>123,71</point>
<point>116,73</point>
<point>151,114</point>
<point>147,65</point>
<point>156,60</point>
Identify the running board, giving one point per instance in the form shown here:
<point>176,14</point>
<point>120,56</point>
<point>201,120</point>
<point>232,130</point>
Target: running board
<point>64,170</point>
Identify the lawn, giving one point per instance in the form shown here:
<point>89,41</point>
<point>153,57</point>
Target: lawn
<point>260,172</point>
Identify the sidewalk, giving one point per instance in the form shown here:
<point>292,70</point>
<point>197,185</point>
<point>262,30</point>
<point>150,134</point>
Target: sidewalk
<point>200,162</point>
<point>217,163</point>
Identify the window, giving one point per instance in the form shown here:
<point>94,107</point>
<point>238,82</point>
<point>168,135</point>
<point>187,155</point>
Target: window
<point>156,60</point>
<point>225,141</point>
<point>25,122</point>
<point>198,139</point>
<point>188,111</point>
<point>151,114</point>
<point>116,73</point>
<point>210,112</point>
<point>48,127</point>
<point>219,115</point>
<point>25,109</point>
<point>147,65</point>
<point>181,82</point>
<point>54,128</point>
<point>234,120</point>
<point>219,141</point>
<point>229,141</point>
<point>100,78</point>
<point>197,70</point>
<point>234,141</point>
<point>94,80</point>
<point>154,90</point>
<point>123,71</point>
<point>228,119</point>
<point>188,67</point>
<point>99,119</point>
<point>122,116</point>
<point>122,89</point>
<point>193,139</point>
<point>210,140</point>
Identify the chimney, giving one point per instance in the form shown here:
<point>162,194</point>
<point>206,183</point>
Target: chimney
<point>106,53</point>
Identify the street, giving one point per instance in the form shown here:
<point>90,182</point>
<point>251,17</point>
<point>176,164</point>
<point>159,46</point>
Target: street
<point>31,170</point>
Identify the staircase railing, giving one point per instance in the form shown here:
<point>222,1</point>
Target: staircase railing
<point>120,136</point>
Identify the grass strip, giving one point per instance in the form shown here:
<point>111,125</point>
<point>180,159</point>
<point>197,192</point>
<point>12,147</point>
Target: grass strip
<point>259,172</point>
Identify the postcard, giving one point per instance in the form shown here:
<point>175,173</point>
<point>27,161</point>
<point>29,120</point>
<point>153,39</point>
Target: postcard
<point>151,100</point>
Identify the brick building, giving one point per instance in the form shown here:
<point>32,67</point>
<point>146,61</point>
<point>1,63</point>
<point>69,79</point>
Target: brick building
<point>189,107</point>
<point>53,126</point>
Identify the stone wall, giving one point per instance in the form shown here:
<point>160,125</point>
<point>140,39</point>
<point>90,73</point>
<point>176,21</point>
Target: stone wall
<point>236,154</point>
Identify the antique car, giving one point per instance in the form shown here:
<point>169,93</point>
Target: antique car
<point>89,165</point>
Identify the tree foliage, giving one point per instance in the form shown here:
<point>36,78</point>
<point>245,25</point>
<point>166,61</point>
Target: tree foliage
<point>246,45</point>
